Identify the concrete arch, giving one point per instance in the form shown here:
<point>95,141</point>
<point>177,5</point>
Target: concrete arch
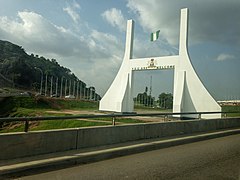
<point>189,94</point>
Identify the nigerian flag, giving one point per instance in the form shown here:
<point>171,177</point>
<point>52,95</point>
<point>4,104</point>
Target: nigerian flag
<point>154,36</point>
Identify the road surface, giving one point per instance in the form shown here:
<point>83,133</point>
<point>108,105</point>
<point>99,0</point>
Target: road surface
<point>211,159</point>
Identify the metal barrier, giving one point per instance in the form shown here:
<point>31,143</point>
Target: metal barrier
<point>113,116</point>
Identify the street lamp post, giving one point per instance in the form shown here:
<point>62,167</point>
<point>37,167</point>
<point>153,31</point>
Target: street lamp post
<point>84,93</point>
<point>51,87</point>
<point>56,87</point>
<point>94,91</point>
<point>41,79</point>
<point>65,88</point>
<point>46,85</point>
<point>77,89</point>
<point>61,86</point>
<point>90,93</point>
<point>69,93</point>
<point>80,89</point>
<point>74,86</point>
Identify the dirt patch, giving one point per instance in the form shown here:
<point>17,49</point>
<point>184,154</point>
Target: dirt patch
<point>14,125</point>
<point>142,118</point>
<point>75,112</point>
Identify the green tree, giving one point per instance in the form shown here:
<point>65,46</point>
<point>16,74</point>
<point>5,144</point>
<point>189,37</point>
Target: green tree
<point>144,99</point>
<point>21,68</point>
<point>165,100</point>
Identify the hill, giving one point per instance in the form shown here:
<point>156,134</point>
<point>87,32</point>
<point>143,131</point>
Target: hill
<point>20,70</point>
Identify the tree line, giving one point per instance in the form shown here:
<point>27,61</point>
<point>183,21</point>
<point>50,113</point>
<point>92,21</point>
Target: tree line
<point>164,100</point>
<point>36,73</point>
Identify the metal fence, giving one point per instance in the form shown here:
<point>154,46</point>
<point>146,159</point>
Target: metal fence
<point>113,116</point>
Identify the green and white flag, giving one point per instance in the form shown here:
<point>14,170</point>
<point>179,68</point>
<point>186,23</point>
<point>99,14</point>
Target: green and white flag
<point>154,36</point>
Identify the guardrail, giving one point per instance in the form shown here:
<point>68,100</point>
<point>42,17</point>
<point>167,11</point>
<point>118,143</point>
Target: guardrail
<point>113,116</point>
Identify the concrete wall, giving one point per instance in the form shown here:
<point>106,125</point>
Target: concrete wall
<point>14,145</point>
<point>97,136</point>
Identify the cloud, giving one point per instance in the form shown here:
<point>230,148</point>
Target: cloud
<point>71,10</point>
<point>93,56</point>
<point>107,42</point>
<point>39,35</point>
<point>211,21</point>
<point>224,57</point>
<point>76,5</point>
<point>115,18</point>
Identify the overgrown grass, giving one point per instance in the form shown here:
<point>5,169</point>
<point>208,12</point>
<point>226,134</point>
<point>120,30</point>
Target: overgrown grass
<point>145,108</point>
<point>77,104</point>
<point>61,124</point>
<point>38,106</point>
<point>13,127</point>
<point>25,112</point>
<point>232,109</point>
<point>121,120</point>
<point>50,124</point>
<point>128,120</point>
<point>32,106</point>
<point>57,124</point>
<point>10,105</point>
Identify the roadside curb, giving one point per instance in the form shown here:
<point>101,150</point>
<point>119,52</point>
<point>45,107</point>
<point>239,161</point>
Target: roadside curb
<point>83,157</point>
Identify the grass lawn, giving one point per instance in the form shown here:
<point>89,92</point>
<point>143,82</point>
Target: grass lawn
<point>232,109</point>
<point>122,120</point>
<point>56,124</point>
<point>47,125</point>
<point>62,124</point>
<point>31,107</point>
<point>25,112</point>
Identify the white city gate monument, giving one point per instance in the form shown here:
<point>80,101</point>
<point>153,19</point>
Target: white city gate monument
<point>189,94</point>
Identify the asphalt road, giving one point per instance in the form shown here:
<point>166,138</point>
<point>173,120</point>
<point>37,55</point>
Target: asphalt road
<point>211,159</point>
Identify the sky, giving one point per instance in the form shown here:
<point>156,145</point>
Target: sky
<point>88,37</point>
